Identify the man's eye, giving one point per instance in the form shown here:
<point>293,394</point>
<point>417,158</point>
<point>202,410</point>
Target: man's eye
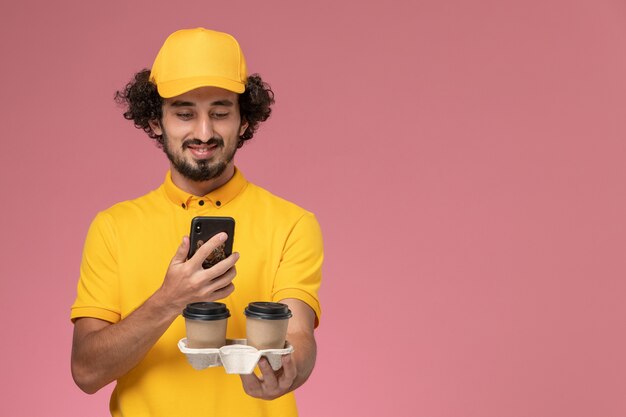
<point>184,115</point>
<point>220,115</point>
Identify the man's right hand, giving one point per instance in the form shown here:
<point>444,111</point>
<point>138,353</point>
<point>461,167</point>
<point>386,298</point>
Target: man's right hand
<point>187,282</point>
<point>102,352</point>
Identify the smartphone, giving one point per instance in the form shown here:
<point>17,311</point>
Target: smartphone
<point>204,228</point>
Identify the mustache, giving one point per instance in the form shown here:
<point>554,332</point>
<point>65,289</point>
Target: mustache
<point>214,141</point>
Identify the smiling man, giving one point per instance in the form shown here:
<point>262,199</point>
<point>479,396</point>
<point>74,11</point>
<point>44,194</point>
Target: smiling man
<point>200,106</point>
<point>200,132</point>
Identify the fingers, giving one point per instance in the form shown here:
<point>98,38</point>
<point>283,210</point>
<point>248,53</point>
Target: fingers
<point>220,274</point>
<point>218,289</point>
<point>221,293</point>
<point>209,246</point>
<point>187,282</point>
<point>252,385</point>
<point>271,384</point>
<point>270,379</point>
<point>223,266</point>
<point>213,284</point>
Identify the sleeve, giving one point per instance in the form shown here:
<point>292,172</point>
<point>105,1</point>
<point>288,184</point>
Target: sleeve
<point>98,284</point>
<point>299,274</point>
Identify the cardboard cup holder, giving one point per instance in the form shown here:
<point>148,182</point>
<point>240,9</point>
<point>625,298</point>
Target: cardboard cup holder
<point>236,356</point>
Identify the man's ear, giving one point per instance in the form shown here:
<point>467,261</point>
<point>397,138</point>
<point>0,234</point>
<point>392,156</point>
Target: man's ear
<point>155,125</point>
<point>244,126</point>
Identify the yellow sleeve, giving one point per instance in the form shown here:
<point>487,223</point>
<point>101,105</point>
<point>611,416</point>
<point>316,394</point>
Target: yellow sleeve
<point>98,285</point>
<point>299,274</point>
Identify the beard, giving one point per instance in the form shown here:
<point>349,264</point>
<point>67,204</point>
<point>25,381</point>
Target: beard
<point>203,169</point>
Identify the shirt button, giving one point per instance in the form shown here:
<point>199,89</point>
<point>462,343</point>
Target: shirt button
<point>218,203</point>
<point>201,202</point>
<point>184,205</point>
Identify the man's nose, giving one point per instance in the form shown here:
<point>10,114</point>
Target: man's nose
<point>204,129</point>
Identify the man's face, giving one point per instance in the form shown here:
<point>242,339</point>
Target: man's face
<point>200,130</point>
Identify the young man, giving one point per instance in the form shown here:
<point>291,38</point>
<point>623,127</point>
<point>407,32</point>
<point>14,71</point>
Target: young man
<point>200,106</point>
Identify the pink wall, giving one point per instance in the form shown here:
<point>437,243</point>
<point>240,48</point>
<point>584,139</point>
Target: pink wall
<point>466,160</point>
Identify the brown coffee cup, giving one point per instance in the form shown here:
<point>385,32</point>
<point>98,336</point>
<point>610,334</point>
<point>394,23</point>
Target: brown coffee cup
<point>205,323</point>
<point>266,324</point>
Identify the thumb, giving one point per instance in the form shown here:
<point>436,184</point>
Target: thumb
<point>182,251</point>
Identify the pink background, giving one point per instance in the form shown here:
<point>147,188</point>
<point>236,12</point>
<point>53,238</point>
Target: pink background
<point>466,160</point>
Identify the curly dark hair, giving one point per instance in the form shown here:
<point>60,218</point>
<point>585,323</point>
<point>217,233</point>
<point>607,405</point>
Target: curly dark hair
<point>143,104</point>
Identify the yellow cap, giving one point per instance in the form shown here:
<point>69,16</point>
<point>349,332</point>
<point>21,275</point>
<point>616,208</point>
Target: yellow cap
<point>194,58</point>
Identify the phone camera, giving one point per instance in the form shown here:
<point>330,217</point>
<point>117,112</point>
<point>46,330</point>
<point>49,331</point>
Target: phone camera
<point>198,228</point>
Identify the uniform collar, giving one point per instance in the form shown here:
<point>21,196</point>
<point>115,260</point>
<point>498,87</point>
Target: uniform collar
<point>218,197</point>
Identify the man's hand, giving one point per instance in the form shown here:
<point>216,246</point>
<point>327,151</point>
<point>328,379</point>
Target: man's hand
<point>187,282</point>
<point>270,384</point>
<point>297,366</point>
<point>102,352</point>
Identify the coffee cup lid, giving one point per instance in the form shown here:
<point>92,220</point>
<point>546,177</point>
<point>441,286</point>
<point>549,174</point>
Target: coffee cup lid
<point>206,311</point>
<point>267,311</point>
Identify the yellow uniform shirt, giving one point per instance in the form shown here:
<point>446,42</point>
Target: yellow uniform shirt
<point>126,255</point>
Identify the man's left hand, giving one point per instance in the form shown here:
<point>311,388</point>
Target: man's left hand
<point>271,384</point>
